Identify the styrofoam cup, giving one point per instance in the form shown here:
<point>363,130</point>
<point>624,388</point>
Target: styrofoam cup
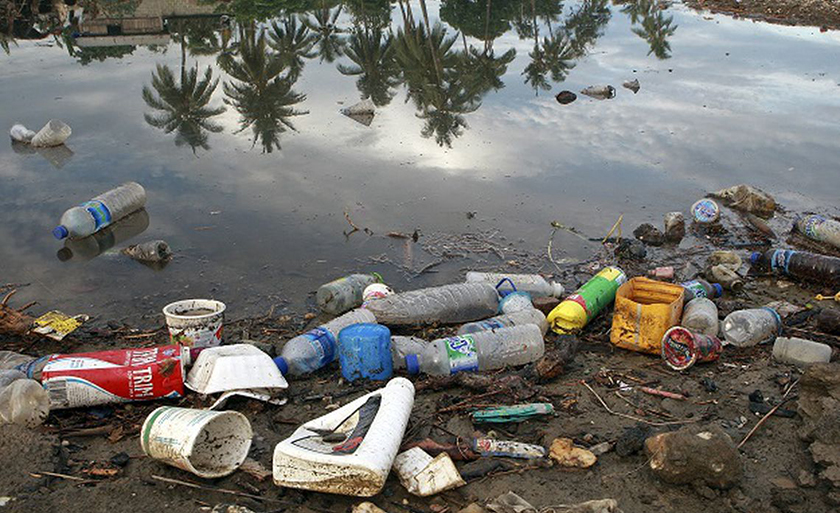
<point>195,330</point>
<point>207,443</point>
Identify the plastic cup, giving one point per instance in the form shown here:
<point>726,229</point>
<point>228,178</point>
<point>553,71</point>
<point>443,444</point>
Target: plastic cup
<point>207,443</point>
<point>195,322</point>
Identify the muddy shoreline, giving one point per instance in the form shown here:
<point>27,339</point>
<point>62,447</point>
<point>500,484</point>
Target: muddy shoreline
<point>817,13</point>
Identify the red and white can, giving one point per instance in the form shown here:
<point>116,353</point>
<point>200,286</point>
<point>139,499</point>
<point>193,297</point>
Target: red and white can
<point>88,379</point>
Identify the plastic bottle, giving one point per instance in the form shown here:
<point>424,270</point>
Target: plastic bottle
<point>316,348</point>
<point>701,288</point>
<point>89,217</point>
<point>534,284</point>
<point>10,360</point>
<point>799,351</point>
<point>88,248</point>
<point>527,316</point>
<point>700,315</point>
<point>343,294</point>
<point>449,304</point>
<point>800,264</point>
<point>484,350</point>
<point>746,328</point>
<point>24,401</point>
<point>54,133</point>
<point>516,302</point>
<point>579,308</point>
<point>819,229</point>
<point>403,346</point>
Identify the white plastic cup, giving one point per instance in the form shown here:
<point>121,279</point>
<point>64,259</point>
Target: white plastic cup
<point>207,443</point>
<point>191,330</point>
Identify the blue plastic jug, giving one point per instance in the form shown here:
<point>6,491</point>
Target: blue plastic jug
<point>364,351</point>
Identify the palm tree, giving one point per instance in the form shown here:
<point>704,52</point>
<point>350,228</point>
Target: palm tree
<point>183,105</point>
<point>294,41</point>
<point>372,54</point>
<point>329,37</point>
<point>261,92</point>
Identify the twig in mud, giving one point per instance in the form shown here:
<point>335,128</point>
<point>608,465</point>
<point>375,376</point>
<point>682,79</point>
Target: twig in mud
<point>632,417</point>
<point>221,490</point>
<point>507,472</point>
<point>61,476</point>
<point>768,415</point>
<point>616,225</point>
<point>663,393</point>
<point>646,410</point>
<point>468,403</point>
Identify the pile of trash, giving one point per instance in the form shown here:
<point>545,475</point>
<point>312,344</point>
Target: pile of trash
<point>490,322</point>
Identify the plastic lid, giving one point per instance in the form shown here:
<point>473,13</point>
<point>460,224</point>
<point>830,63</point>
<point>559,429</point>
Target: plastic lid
<point>755,257</point>
<point>412,364</point>
<point>718,289</point>
<point>557,290</point>
<point>60,232</point>
<point>281,364</point>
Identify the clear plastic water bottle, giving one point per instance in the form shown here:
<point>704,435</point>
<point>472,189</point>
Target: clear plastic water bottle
<point>527,316</point>
<point>799,351</point>
<point>403,346</point>
<point>481,351</point>
<point>24,401</point>
<point>746,328</point>
<point>701,288</point>
<point>820,229</point>
<point>318,347</point>
<point>30,366</point>
<point>54,133</point>
<point>534,284</point>
<point>700,315</point>
<point>89,217</point>
<point>343,294</point>
<point>449,304</point>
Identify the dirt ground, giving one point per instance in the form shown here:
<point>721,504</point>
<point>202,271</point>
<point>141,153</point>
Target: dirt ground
<point>779,475</point>
<point>818,13</point>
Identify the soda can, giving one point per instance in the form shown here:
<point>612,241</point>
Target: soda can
<point>682,348</point>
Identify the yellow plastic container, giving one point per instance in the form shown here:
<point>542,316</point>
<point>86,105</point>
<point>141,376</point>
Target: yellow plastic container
<point>644,310</point>
<point>586,302</point>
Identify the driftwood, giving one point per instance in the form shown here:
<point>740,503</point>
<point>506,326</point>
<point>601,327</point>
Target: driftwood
<point>14,322</point>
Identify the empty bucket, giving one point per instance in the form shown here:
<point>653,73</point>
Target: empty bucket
<point>207,443</point>
<point>195,322</point>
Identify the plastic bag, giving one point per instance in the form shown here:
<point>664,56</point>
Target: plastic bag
<point>21,134</point>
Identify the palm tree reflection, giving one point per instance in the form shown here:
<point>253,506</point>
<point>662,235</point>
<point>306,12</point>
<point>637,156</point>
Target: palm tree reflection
<point>655,28</point>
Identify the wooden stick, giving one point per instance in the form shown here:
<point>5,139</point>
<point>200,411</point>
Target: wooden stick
<point>662,393</point>
<point>56,474</point>
<point>631,417</point>
<point>220,490</point>
<point>767,415</point>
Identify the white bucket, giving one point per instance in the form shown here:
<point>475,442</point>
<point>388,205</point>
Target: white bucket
<point>186,329</point>
<point>207,443</point>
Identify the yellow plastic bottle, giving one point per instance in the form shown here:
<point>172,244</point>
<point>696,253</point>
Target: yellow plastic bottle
<point>579,308</point>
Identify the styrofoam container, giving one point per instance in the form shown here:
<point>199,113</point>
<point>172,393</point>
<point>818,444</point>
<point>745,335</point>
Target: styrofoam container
<point>188,329</point>
<point>234,367</point>
<point>207,443</point>
<point>350,450</point>
<point>423,475</point>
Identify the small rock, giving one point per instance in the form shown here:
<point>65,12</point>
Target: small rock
<point>709,385</point>
<point>566,454</point>
<point>631,440</point>
<point>784,483</point>
<point>120,459</point>
<point>367,507</point>
<point>649,234</point>
<point>601,448</point>
<point>706,492</point>
<point>806,479</point>
<point>674,227</point>
<point>565,97</point>
<point>545,304</point>
<point>630,249</point>
<point>230,508</point>
<point>695,455</point>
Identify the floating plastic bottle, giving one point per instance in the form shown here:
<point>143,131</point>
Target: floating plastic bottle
<point>81,250</point>
<point>89,217</point>
<point>820,229</point>
<point>533,284</point>
<point>526,316</point>
<point>343,294</point>
<point>746,328</point>
<point>800,264</point>
<point>800,352</point>
<point>24,401</point>
<point>317,348</point>
<point>701,288</point>
<point>449,304</point>
<point>402,346</point>
<point>54,133</point>
<point>700,315</point>
<point>480,351</point>
<point>582,306</point>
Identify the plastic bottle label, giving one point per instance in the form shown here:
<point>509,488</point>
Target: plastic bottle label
<point>780,260</point>
<point>462,355</point>
<point>696,288</point>
<point>492,324</point>
<point>811,226</point>
<point>324,344</point>
<point>100,213</point>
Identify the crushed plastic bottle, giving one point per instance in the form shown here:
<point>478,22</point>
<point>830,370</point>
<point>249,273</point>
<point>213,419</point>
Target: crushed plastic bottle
<point>526,316</point>
<point>800,264</point>
<point>746,328</point>
<point>820,229</point>
<point>700,315</point>
<point>90,217</point>
<point>449,304</point>
<point>318,347</point>
<point>701,288</point>
<point>343,294</point>
<point>533,284</point>
<point>480,351</point>
<point>24,401</point>
<point>54,133</point>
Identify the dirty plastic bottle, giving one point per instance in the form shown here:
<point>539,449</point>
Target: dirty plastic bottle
<point>402,346</point>
<point>9,360</point>
<point>89,217</point>
<point>820,229</point>
<point>343,294</point>
<point>746,328</point>
<point>54,133</point>
<point>800,264</point>
<point>449,304</point>
<point>579,308</point>
<point>24,401</point>
<point>701,316</point>
<point>799,351</point>
<point>701,288</point>
<point>484,350</point>
<point>533,284</point>
<point>316,348</point>
<point>527,316</point>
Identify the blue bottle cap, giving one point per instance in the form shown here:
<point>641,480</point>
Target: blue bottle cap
<point>281,364</point>
<point>60,232</point>
<point>412,364</point>
<point>755,257</point>
<point>718,289</point>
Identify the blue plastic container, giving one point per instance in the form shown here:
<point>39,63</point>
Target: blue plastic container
<point>364,351</point>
